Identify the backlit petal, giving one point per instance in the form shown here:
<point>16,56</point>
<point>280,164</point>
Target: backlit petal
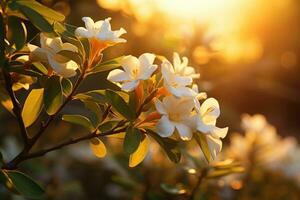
<point>164,127</point>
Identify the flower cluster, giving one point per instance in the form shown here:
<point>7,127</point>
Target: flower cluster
<point>178,105</point>
<point>263,146</point>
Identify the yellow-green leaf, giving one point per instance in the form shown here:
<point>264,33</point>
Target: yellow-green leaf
<point>33,106</point>
<point>18,33</point>
<point>140,153</point>
<point>43,10</point>
<point>202,142</point>
<point>53,96</point>
<point>98,148</point>
<point>79,120</point>
<point>132,140</point>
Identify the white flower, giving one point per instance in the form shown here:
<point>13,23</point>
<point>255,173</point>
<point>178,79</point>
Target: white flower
<point>48,53</point>
<point>206,123</point>
<point>178,77</point>
<point>100,30</point>
<point>176,113</point>
<point>256,123</point>
<point>135,70</point>
<point>182,68</point>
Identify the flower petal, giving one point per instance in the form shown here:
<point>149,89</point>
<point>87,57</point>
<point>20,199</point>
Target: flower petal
<point>118,75</point>
<point>89,23</point>
<point>146,59</point>
<point>129,86</point>
<point>214,145</point>
<point>184,131</point>
<point>83,32</point>
<point>164,127</point>
<point>210,110</point>
<point>219,132</point>
<point>129,64</point>
<point>180,91</point>
<point>64,69</point>
<point>159,106</point>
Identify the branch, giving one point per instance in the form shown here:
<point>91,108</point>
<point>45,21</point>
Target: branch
<point>67,143</point>
<point>31,141</point>
<point>146,101</point>
<point>17,109</point>
<point>199,181</point>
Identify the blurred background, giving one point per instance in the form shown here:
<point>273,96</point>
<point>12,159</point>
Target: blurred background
<point>247,52</point>
<point>248,55</point>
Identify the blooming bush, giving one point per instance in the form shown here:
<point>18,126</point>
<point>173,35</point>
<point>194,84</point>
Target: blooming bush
<point>151,98</point>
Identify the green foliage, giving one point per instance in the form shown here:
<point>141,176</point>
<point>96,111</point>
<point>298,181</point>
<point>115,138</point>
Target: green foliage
<point>70,55</point>
<point>202,142</point>
<point>43,10</point>
<point>18,33</point>
<point>39,66</point>
<point>169,145</point>
<point>32,14</point>
<point>98,96</point>
<point>23,184</point>
<point>33,106</point>
<point>132,139</point>
<point>53,96</point>
<point>67,86</point>
<point>108,125</point>
<point>108,65</point>
<point>96,115</point>
<point>120,105</point>
<point>79,120</point>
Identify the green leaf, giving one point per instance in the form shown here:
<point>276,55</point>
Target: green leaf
<point>53,95</point>
<point>21,70</point>
<point>140,153</point>
<point>79,120</point>
<point>41,9</point>
<point>96,112</point>
<point>132,140</point>
<point>24,184</point>
<point>107,126</point>
<point>67,86</point>
<point>224,172</point>
<point>2,42</point>
<point>108,65</point>
<point>34,16</point>
<point>98,96</point>
<point>70,55</point>
<point>174,189</point>
<point>33,106</point>
<point>120,105</point>
<point>18,33</point>
<point>86,47</point>
<point>202,142</point>
<point>40,67</point>
<point>169,145</point>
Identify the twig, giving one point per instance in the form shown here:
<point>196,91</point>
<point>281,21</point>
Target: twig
<point>146,101</point>
<point>199,181</point>
<point>31,141</point>
<point>17,109</point>
<point>67,143</point>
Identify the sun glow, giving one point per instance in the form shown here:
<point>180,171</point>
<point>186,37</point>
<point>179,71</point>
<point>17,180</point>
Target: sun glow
<point>230,26</point>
